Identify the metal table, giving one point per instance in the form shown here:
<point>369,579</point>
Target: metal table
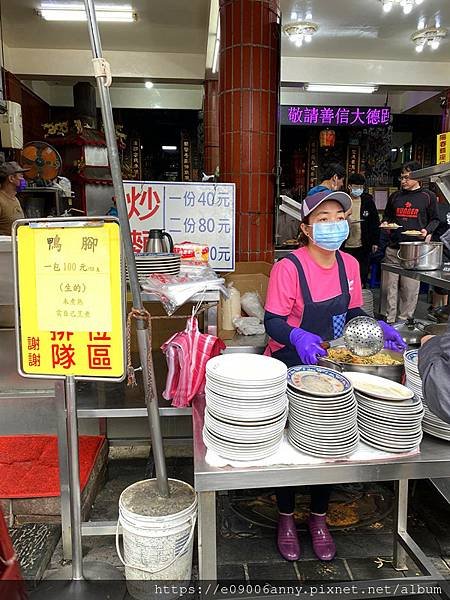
<point>434,461</point>
<point>441,279</point>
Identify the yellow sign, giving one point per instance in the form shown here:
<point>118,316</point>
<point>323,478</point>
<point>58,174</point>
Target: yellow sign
<point>71,300</point>
<point>443,148</point>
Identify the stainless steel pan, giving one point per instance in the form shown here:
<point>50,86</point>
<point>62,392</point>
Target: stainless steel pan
<point>392,372</point>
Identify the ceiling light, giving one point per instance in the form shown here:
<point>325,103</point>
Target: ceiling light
<point>300,31</point>
<point>149,84</point>
<point>428,36</point>
<point>407,5</point>
<point>215,60</point>
<point>294,16</point>
<point>76,12</point>
<point>349,89</point>
<point>169,148</point>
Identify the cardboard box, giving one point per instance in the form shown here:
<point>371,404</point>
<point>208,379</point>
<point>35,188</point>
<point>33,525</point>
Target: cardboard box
<point>247,277</point>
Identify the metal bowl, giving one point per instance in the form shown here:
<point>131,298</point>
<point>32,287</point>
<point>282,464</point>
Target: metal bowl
<point>392,372</point>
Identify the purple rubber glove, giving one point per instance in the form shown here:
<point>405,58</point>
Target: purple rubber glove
<point>392,339</point>
<point>307,345</point>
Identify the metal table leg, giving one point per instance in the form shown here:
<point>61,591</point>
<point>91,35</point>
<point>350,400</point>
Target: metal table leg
<point>401,523</point>
<point>207,536</point>
<point>63,459</point>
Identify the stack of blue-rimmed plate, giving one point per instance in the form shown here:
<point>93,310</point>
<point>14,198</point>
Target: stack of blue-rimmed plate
<point>431,423</point>
<point>389,415</point>
<point>322,412</point>
<point>148,263</point>
<point>246,406</point>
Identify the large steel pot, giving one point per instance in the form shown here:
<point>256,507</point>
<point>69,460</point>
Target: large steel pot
<point>421,256</point>
<point>392,372</point>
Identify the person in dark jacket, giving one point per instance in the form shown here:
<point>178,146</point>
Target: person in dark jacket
<point>332,179</point>
<point>434,369</point>
<point>364,225</point>
<point>440,295</point>
<point>414,209</point>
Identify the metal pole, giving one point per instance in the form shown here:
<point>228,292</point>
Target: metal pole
<point>74,477</point>
<point>142,337</point>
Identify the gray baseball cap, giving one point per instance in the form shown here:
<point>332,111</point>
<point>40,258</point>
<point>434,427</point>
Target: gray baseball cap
<point>11,168</point>
<point>310,203</point>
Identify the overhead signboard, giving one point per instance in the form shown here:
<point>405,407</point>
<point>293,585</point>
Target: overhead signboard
<point>70,292</point>
<point>336,116</point>
<point>195,212</point>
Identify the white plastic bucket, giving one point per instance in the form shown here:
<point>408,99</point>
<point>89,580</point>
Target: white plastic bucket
<point>156,547</point>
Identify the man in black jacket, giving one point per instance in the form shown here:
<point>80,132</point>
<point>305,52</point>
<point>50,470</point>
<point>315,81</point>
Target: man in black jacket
<point>364,225</point>
<point>415,210</point>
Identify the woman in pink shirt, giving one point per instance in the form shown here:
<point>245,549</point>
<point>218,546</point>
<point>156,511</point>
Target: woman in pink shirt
<point>312,294</point>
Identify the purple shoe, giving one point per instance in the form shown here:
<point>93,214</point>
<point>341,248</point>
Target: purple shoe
<point>287,538</point>
<point>323,544</point>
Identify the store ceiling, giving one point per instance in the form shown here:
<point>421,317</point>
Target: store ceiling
<point>162,26</point>
<point>360,29</point>
<point>348,28</point>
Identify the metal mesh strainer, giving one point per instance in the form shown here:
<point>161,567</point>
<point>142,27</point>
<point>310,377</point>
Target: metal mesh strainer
<point>363,336</point>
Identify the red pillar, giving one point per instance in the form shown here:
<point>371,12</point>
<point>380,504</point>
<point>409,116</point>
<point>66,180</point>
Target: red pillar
<point>211,126</point>
<point>249,76</point>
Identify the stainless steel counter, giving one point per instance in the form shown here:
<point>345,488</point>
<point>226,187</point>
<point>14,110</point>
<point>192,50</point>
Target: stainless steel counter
<point>433,461</point>
<point>439,277</point>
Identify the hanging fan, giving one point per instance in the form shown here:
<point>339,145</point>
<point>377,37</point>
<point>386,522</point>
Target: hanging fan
<point>43,161</point>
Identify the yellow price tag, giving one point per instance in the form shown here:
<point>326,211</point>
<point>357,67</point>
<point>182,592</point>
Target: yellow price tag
<point>71,300</point>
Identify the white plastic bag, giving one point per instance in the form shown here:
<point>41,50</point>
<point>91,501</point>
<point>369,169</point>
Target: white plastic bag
<point>252,306</point>
<point>249,326</point>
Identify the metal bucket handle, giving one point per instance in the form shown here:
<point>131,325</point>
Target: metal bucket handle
<point>417,257</point>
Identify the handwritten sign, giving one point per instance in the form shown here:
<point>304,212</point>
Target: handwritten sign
<point>194,212</point>
<point>349,116</point>
<point>71,300</point>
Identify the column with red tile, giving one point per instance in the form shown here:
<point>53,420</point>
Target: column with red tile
<point>211,126</point>
<point>249,75</point>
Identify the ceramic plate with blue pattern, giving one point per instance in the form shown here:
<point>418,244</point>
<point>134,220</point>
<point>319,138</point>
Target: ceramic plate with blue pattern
<point>412,357</point>
<point>318,381</point>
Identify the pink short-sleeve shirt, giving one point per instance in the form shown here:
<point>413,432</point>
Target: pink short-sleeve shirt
<point>284,296</point>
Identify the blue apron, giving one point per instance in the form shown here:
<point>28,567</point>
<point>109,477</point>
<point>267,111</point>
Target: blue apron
<point>326,318</point>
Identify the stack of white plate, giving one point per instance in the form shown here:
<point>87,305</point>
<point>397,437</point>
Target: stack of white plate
<point>148,263</point>
<point>322,412</point>
<point>389,415</point>
<point>246,406</point>
<point>413,380</point>
<point>431,423</point>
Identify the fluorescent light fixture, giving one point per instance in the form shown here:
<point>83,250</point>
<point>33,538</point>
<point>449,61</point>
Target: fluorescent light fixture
<point>169,148</point>
<point>76,12</point>
<point>149,84</point>
<point>215,61</point>
<point>349,89</point>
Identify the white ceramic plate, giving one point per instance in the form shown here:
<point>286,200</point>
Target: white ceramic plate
<point>378,387</point>
<point>318,381</point>
<point>243,367</point>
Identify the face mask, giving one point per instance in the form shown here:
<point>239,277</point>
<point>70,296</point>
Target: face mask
<point>22,185</point>
<point>357,192</point>
<point>329,236</point>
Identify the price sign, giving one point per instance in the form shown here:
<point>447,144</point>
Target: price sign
<point>195,212</point>
<point>71,295</point>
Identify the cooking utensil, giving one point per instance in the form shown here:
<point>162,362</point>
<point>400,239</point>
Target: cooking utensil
<point>157,243</point>
<point>392,372</point>
<point>362,337</point>
<point>421,256</point>
<point>412,331</point>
